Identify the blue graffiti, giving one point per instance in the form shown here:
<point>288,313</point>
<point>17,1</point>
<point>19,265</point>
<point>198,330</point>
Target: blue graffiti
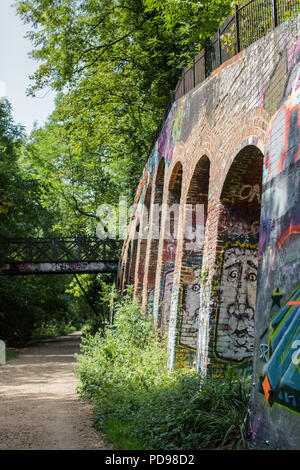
<point>280,381</point>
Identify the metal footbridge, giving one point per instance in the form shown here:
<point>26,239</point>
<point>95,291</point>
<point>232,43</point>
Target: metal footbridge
<point>20,256</point>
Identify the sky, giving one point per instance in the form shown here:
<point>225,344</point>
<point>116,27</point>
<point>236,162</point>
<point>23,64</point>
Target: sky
<point>15,69</point>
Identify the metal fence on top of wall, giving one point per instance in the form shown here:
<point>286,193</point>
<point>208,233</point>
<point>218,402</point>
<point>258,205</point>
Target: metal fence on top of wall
<point>250,21</point>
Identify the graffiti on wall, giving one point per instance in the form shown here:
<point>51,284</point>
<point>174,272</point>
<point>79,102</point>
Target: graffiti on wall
<point>248,192</point>
<point>282,146</point>
<point>187,315</point>
<point>280,215</point>
<point>188,319</point>
<point>279,333</point>
<point>164,146</point>
<point>235,300</point>
<point>150,301</point>
<point>165,301</point>
<point>285,78</point>
<point>280,378</point>
<point>239,221</point>
<point>189,312</point>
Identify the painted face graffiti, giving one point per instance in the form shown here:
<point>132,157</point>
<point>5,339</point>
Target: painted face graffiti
<point>190,315</point>
<point>166,299</point>
<point>235,329</point>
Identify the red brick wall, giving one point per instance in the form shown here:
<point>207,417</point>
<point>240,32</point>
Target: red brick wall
<point>225,145</point>
<point>231,145</point>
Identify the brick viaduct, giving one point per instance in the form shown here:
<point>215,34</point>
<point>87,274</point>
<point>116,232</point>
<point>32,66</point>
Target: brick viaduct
<point>214,236</point>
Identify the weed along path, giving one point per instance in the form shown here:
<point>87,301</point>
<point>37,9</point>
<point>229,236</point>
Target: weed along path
<point>39,406</point>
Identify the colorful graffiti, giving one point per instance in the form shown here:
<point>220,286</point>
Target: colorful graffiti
<point>235,299</point>
<point>278,371</point>
<point>280,378</point>
<point>188,319</point>
<point>164,146</point>
<point>248,192</point>
<point>282,146</point>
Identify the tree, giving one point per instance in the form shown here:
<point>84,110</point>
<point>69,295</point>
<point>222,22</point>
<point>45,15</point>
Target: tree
<point>117,62</point>
<point>114,64</point>
<point>25,301</point>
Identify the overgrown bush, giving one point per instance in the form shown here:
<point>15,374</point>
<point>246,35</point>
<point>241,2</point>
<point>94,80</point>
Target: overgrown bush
<point>142,405</point>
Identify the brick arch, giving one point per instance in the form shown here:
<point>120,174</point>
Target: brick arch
<point>233,152</point>
<point>169,243</point>
<point>142,242</point>
<point>227,117</point>
<point>175,182</point>
<point>195,215</point>
<point>151,258</point>
<point>124,265</point>
<point>132,253</point>
<point>235,279</point>
<point>159,181</point>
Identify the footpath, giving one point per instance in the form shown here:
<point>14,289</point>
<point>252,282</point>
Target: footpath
<point>39,406</point>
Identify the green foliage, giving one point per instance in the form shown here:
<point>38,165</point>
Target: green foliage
<point>26,302</point>
<point>142,405</point>
<point>52,329</point>
<point>256,21</point>
<point>122,434</point>
<point>13,182</point>
<point>113,64</point>
<point>117,62</point>
<point>29,302</point>
<point>11,353</point>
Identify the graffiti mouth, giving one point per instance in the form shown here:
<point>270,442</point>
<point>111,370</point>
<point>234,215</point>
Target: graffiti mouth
<point>241,311</point>
<point>240,333</point>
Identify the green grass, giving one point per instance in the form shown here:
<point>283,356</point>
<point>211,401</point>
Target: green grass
<point>11,353</point>
<point>121,434</point>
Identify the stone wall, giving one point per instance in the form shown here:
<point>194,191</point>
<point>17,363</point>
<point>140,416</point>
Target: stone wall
<point>215,259</point>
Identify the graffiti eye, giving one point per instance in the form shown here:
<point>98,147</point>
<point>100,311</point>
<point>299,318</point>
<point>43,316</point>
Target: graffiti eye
<point>234,274</point>
<point>196,287</point>
<point>252,277</point>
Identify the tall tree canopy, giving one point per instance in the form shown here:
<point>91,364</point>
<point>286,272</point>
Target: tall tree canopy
<point>113,64</point>
<point>25,301</point>
<point>116,63</point>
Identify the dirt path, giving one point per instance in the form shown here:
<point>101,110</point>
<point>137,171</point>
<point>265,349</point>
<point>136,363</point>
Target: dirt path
<point>39,406</point>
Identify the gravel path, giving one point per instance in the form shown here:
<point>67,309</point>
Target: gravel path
<point>39,406</point>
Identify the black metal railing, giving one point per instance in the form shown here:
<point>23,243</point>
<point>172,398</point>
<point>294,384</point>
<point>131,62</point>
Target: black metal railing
<point>249,22</point>
<point>57,250</point>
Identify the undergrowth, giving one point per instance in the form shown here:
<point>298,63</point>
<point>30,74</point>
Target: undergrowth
<point>141,405</point>
<point>51,329</point>
<point>11,353</point>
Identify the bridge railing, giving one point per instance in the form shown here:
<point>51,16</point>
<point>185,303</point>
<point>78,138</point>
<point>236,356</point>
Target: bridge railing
<point>250,21</point>
<point>55,250</point>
